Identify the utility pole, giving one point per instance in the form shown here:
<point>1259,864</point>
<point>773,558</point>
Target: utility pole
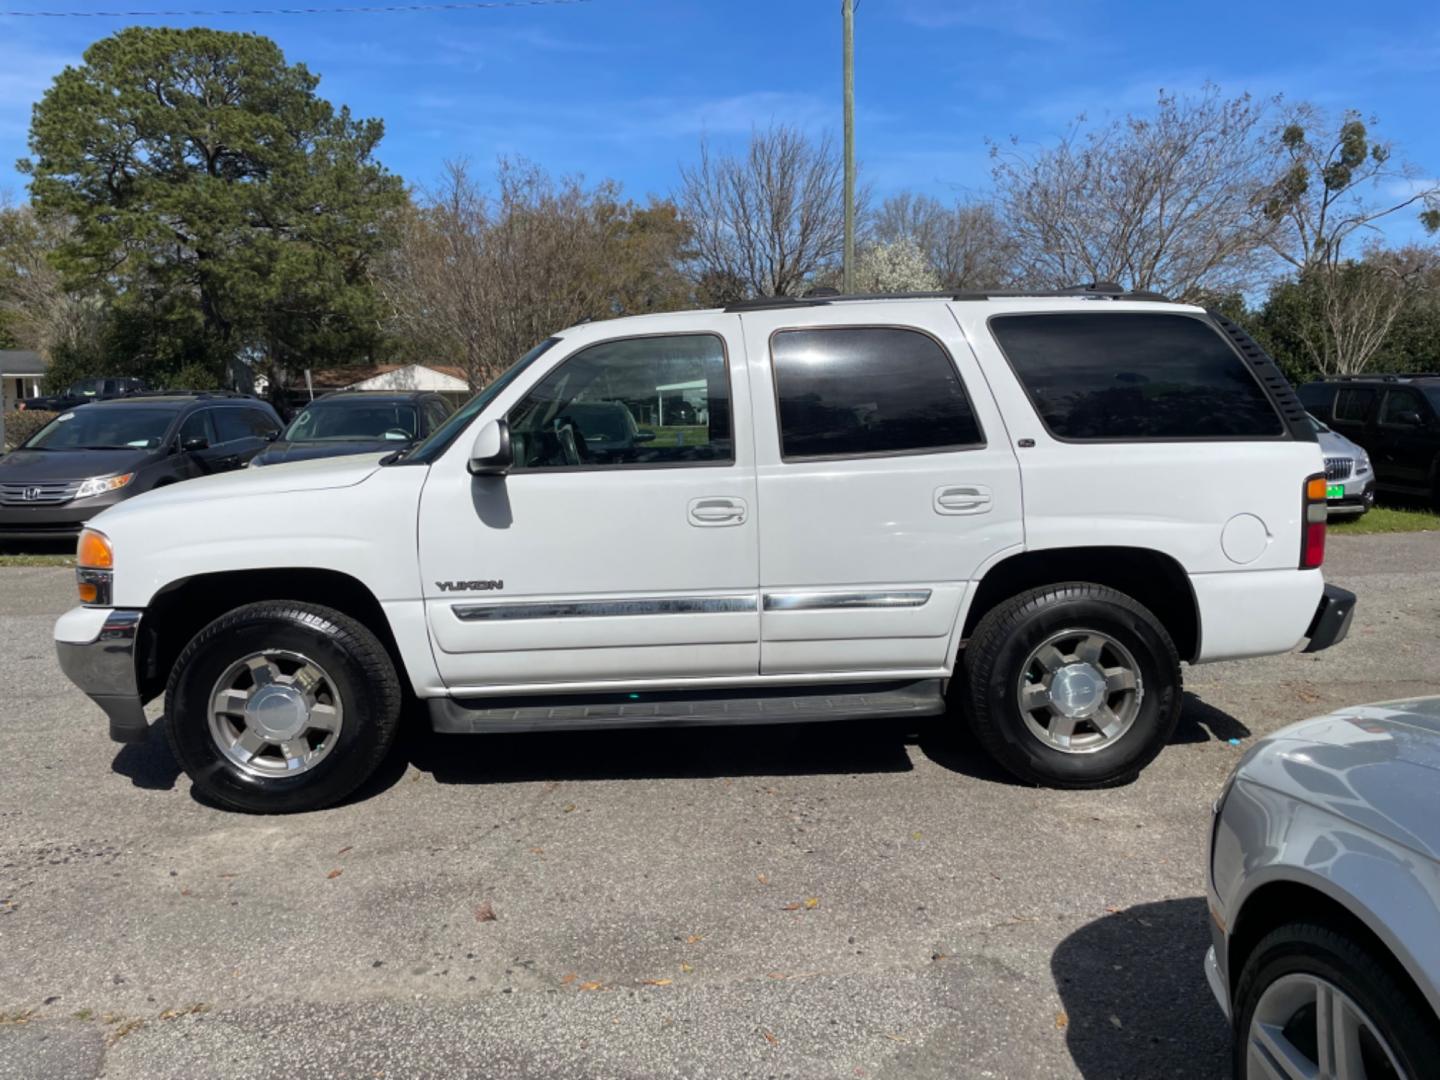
<point>847,10</point>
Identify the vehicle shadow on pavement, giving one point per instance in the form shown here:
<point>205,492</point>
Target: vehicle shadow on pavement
<point>1135,996</point>
<point>149,764</point>
<point>670,753</point>
<point>1201,722</point>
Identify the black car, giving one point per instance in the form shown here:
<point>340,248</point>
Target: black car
<point>358,422</point>
<point>1396,418</point>
<point>84,392</point>
<point>91,457</point>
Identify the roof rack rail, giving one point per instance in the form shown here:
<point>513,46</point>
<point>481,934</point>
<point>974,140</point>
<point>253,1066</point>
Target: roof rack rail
<point>186,393</point>
<point>1106,290</point>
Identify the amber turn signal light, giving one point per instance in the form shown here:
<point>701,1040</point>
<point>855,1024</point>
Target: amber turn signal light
<point>94,551</point>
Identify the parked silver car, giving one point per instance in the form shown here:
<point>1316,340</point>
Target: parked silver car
<point>1324,886</point>
<point>1349,479</point>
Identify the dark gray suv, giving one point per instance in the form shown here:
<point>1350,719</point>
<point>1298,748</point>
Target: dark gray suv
<point>93,456</point>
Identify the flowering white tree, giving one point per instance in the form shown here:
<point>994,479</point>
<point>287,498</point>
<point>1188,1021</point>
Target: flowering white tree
<point>895,266</point>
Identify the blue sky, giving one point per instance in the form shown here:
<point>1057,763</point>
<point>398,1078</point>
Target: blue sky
<point>626,88</point>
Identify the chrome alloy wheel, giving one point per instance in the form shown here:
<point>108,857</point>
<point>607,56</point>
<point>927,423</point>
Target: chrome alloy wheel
<point>1080,691</point>
<point>275,713</point>
<point>1305,1028</point>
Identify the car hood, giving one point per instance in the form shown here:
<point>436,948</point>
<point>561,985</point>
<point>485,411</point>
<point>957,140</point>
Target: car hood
<point>1333,443</point>
<point>1372,765</point>
<point>318,475</point>
<point>49,466</point>
<point>280,452</point>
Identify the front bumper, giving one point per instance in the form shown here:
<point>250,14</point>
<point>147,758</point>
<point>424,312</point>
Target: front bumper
<point>1359,496</point>
<point>62,522</point>
<point>104,665</point>
<point>1332,619</point>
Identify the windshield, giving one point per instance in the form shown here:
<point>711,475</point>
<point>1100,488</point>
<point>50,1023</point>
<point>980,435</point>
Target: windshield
<point>353,418</point>
<point>104,427</point>
<point>85,388</point>
<point>441,438</point>
<point>1317,423</point>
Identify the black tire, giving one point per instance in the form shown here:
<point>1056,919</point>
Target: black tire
<point>358,665</point>
<point>1374,982</point>
<point>1003,641</point>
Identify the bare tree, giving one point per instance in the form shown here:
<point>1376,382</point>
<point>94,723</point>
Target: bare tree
<point>764,222</point>
<point>1332,192</point>
<point>967,245</point>
<point>477,278</point>
<point>1349,309</point>
<point>1165,202</point>
<point>39,310</point>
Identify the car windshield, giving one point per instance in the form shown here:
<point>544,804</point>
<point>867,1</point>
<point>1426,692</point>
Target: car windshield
<point>1317,423</point>
<point>86,388</point>
<point>104,427</point>
<point>353,418</point>
<point>441,438</point>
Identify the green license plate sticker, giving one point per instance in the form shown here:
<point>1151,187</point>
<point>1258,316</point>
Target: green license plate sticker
<point>1334,491</point>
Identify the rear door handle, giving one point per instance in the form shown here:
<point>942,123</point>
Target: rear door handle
<point>717,510</point>
<point>962,499</point>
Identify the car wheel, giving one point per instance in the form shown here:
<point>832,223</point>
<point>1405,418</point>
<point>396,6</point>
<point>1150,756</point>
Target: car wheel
<point>1312,1001</point>
<point>278,706</point>
<point>1072,685</point>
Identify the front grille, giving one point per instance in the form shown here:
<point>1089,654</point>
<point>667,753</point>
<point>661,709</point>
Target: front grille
<point>45,494</point>
<point>1338,468</point>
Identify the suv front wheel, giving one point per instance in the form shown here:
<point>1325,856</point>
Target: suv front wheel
<point>1073,685</point>
<point>280,706</point>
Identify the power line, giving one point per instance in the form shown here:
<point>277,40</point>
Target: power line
<point>385,9</point>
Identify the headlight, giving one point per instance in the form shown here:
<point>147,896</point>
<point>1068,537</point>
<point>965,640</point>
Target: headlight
<point>1364,465</point>
<point>94,568</point>
<point>99,485</point>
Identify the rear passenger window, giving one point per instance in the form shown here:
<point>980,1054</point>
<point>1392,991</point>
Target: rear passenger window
<point>1352,405</point>
<point>855,391</point>
<point>1134,376</point>
<point>232,424</point>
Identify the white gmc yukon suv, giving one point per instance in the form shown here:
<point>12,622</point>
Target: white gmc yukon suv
<point>1020,510</point>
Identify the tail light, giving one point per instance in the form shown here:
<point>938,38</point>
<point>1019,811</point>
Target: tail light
<point>1312,523</point>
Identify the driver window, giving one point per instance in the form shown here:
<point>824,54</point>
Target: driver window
<point>639,401</point>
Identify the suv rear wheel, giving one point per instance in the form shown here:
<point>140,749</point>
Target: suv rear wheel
<point>279,706</point>
<point>1073,685</point>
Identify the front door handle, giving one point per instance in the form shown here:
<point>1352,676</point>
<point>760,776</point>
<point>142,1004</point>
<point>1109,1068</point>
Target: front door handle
<point>962,499</point>
<point>717,510</point>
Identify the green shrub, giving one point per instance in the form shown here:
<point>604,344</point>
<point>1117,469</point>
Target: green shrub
<point>19,426</point>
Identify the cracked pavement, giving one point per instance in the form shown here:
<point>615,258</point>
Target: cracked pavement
<point>846,900</point>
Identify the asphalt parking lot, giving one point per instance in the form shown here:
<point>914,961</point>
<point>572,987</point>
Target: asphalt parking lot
<point>825,901</point>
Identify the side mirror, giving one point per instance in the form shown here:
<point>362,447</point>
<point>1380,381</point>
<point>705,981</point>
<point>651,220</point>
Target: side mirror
<point>1408,417</point>
<point>271,436</point>
<point>491,454</point>
<point>643,436</point>
<point>194,443</point>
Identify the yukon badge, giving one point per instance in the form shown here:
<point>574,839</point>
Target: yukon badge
<point>469,586</point>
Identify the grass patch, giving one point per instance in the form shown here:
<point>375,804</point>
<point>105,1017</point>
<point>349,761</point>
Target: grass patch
<point>37,560</point>
<point>1385,519</point>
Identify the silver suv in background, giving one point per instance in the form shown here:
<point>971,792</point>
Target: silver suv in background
<point>1324,888</point>
<point>1349,479</point>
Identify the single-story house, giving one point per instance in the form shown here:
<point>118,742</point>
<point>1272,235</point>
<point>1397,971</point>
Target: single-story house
<point>20,373</point>
<point>443,378</point>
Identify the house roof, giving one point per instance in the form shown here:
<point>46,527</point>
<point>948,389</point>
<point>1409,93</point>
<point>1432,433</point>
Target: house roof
<point>20,362</point>
<point>349,376</point>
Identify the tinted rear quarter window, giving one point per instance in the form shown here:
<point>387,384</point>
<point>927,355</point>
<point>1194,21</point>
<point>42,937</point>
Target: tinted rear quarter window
<point>1352,404</point>
<point>1128,376</point>
<point>852,392</point>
